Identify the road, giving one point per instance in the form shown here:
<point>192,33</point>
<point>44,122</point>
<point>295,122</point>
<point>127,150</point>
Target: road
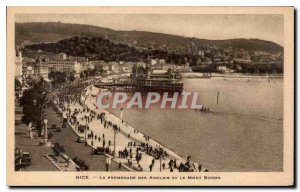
<point>38,160</point>
<point>68,138</point>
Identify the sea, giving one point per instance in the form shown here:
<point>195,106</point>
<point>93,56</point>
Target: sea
<point>242,132</point>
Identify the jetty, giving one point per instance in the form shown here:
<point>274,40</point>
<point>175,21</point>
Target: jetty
<point>153,85</point>
<point>144,78</point>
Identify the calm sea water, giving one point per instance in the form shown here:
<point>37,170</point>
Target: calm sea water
<point>243,132</point>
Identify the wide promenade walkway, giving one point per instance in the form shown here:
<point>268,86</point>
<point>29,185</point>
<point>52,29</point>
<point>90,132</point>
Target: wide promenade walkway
<point>127,134</point>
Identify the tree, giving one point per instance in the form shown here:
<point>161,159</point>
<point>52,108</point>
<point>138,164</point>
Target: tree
<point>17,84</point>
<point>33,102</point>
<point>82,166</point>
<point>91,72</point>
<point>85,73</point>
<point>81,75</point>
<point>58,77</point>
<point>72,77</point>
<point>58,149</point>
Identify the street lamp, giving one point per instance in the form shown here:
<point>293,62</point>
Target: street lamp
<point>85,130</point>
<point>160,164</point>
<point>45,141</point>
<point>115,130</point>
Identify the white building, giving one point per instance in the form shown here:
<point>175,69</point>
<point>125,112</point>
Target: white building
<point>114,67</point>
<point>126,69</point>
<point>162,61</point>
<point>153,61</point>
<point>222,68</point>
<point>41,70</point>
<point>29,71</point>
<point>64,65</point>
<point>18,64</point>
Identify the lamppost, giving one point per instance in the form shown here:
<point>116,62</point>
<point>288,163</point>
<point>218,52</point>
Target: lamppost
<point>115,130</point>
<point>45,130</point>
<point>160,164</point>
<point>85,130</point>
<point>45,141</point>
<point>30,130</point>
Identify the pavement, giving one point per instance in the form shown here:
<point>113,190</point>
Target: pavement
<point>68,138</point>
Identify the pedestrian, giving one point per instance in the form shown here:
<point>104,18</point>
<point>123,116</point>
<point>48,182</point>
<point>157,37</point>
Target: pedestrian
<point>163,166</point>
<point>199,167</point>
<point>129,162</point>
<point>170,163</point>
<point>137,158</point>
<point>189,158</point>
<point>171,169</point>
<point>150,167</point>
<point>140,167</point>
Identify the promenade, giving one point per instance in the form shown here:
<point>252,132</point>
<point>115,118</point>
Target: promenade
<point>134,150</point>
<point>40,160</point>
<point>67,138</point>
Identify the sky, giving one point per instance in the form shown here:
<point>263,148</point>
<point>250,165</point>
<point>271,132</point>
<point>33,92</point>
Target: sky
<point>266,27</point>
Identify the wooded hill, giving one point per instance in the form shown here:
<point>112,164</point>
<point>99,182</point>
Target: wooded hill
<point>32,33</point>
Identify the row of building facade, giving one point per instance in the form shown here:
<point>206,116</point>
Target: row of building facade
<point>40,65</point>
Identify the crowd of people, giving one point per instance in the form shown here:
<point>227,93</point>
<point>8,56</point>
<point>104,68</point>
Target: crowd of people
<point>81,116</point>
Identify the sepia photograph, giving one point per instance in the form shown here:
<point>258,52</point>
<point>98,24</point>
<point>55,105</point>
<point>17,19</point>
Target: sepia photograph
<point>150,96</point>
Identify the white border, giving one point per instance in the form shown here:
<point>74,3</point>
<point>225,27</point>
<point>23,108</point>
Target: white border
<point>4,3</point>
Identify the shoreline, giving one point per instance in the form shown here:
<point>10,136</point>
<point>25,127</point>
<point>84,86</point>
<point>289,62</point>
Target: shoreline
<point>198,75</point>
<point>174,154</point>
<point>136,136</point>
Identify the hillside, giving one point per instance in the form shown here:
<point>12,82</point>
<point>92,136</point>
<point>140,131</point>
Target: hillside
<point>33,33</point>
<point>103,49</point>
